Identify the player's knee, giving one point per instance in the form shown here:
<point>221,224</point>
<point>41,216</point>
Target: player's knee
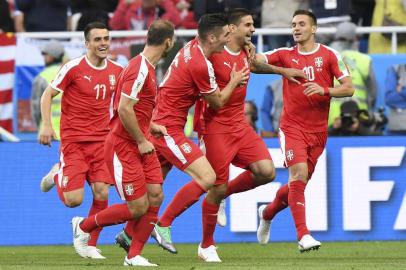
<point>73,201</point>
<point>101,192</point>
<point>209,178</point>
<point>156,197</point>
<point>268,174</point>
<point>138,209</point>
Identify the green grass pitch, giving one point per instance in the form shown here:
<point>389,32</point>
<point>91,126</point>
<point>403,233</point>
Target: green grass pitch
<point>332,255</point>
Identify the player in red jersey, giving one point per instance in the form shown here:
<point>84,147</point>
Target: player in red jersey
<point>303,124</point>
<point>190,76</point>
<point>227,137</point>
<point>129,153</point>
<point>87,84</point>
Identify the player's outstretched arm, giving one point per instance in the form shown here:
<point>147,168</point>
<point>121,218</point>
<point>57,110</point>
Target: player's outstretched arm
<point>130,123</point>
<point>47,133</point>
<point>259,66</point>
<point>345,89</point>
<point>218,98</point>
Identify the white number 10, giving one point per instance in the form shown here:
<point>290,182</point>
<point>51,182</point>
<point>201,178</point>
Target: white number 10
<point>99,87</point>
<point>309,71</point>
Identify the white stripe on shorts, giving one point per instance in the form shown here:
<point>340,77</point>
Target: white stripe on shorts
<point>170,142</point>
<point>118,175</point>
<point>60,171</point>
<point>283,142</point>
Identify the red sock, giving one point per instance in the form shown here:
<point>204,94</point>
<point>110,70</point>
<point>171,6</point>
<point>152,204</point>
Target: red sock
<point>97,206</point>
<point>129,227</point>
<point>114,214</point>
<point>241,183</point>
<point>297,207</point>
<point>184,198</point>
<point>279,203</point>
<point>142,231</point>
<point>209,220</point>
<point>58,189</point>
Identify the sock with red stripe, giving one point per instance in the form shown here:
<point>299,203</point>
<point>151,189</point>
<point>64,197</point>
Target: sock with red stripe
<point>184,198</point>
<point>297,206</point>
<point>209,220</point>
<point>278,204</point>
<point>243,182</point>
<point>112,215</point>
<point>97,206</point>
<point>142,231</point>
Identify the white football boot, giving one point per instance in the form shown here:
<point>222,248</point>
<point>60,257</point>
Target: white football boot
<point>308,243</point>
<point>264,228</point>
<point>47,182</point>
<point>80,238</point>
<point>221,214</point>
<point>208,254</point>
<point>137,261</point>
<point>94,253</point>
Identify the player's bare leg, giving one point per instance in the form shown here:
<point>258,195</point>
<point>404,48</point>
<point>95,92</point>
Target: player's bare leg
<point>203,179</point>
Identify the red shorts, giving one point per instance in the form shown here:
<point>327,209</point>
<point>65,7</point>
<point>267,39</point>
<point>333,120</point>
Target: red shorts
<point>176,149</point>
<point>239,148</point>
<point>302,147</point>
<point>131,170</point>
<point>80,161</point>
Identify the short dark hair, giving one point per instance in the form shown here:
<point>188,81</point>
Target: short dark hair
<point>159,31</point>
<point>210,23</point>
<point>308,13</point>
<point>234,15</point>
<point>93,25</point>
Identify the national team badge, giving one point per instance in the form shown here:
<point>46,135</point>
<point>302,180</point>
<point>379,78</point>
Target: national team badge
<point>186,148</point>
<point>318,61</point>
<point>289,155</point>
<point>112,79</point>
<point>65,180</point>
<point>129,189</point>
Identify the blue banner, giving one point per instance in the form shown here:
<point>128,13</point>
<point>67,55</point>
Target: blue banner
<point>357,193</point>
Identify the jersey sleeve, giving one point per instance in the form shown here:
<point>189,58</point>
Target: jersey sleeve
<point>338,67</point>
<point>63,78</point>
<point>273,57</point>
<point>135,79</point>
<point>203,76</point>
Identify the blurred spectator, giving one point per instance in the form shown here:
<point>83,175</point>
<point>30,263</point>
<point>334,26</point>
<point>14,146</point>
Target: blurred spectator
<point>86,11</point>
<point>201,7</point>
<point>278,14</point>
<point>186,14</point>
<point>271,109</point>
<point>395,98</point>
<point>392,10</point>
<point>361,70</point>
<point>356,122</point>
<point>6,22</point>
<point>53,52</point>
<point>139,14</point>
<point>330,13</point>
<point>362,16</point>
<point>44,15</point>
<point>251,113</point>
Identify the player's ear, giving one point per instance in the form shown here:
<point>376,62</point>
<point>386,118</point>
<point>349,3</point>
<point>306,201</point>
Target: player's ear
<point>314,28</point>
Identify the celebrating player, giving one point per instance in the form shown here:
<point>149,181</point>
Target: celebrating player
<point>87,83</point>
<point>303,125</point>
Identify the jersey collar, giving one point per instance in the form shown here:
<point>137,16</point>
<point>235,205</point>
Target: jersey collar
<point>311,52</point>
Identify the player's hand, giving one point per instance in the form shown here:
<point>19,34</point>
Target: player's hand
<point>251,51</point>
<point>146,147</point>
<point>312,89</point>
<point>239,77</point>
<point>292,73</point>
<point>46,135</point>
<point>157,130</point>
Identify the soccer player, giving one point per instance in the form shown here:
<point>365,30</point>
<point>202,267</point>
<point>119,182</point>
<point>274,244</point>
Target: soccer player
<point>190,76</point>
<point>303,125</point>
<point>228,137</point>
<point>129,152</point>
<point>87,83</point>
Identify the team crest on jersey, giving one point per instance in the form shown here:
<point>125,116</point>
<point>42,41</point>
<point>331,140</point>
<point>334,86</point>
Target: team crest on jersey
<point>186,148</point>
<point>318,62</point>
<point>65,180</point>
<point>289,155</point>
<point>112,79</point>
<point>129,189</point>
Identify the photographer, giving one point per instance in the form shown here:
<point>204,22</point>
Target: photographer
<point>356,122</point>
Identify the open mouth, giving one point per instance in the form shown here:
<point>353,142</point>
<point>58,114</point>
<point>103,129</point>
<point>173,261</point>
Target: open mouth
<point>102,50</point>
<point>297,35</point>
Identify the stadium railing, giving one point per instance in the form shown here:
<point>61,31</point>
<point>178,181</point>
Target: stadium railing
<point>260,32</point>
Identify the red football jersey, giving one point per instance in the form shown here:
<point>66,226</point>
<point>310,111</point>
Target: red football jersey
<point>230,118</point>
<point>86,98</point>
<point>190,75</point>
<point>138,82</point>
<point>321,66</point>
